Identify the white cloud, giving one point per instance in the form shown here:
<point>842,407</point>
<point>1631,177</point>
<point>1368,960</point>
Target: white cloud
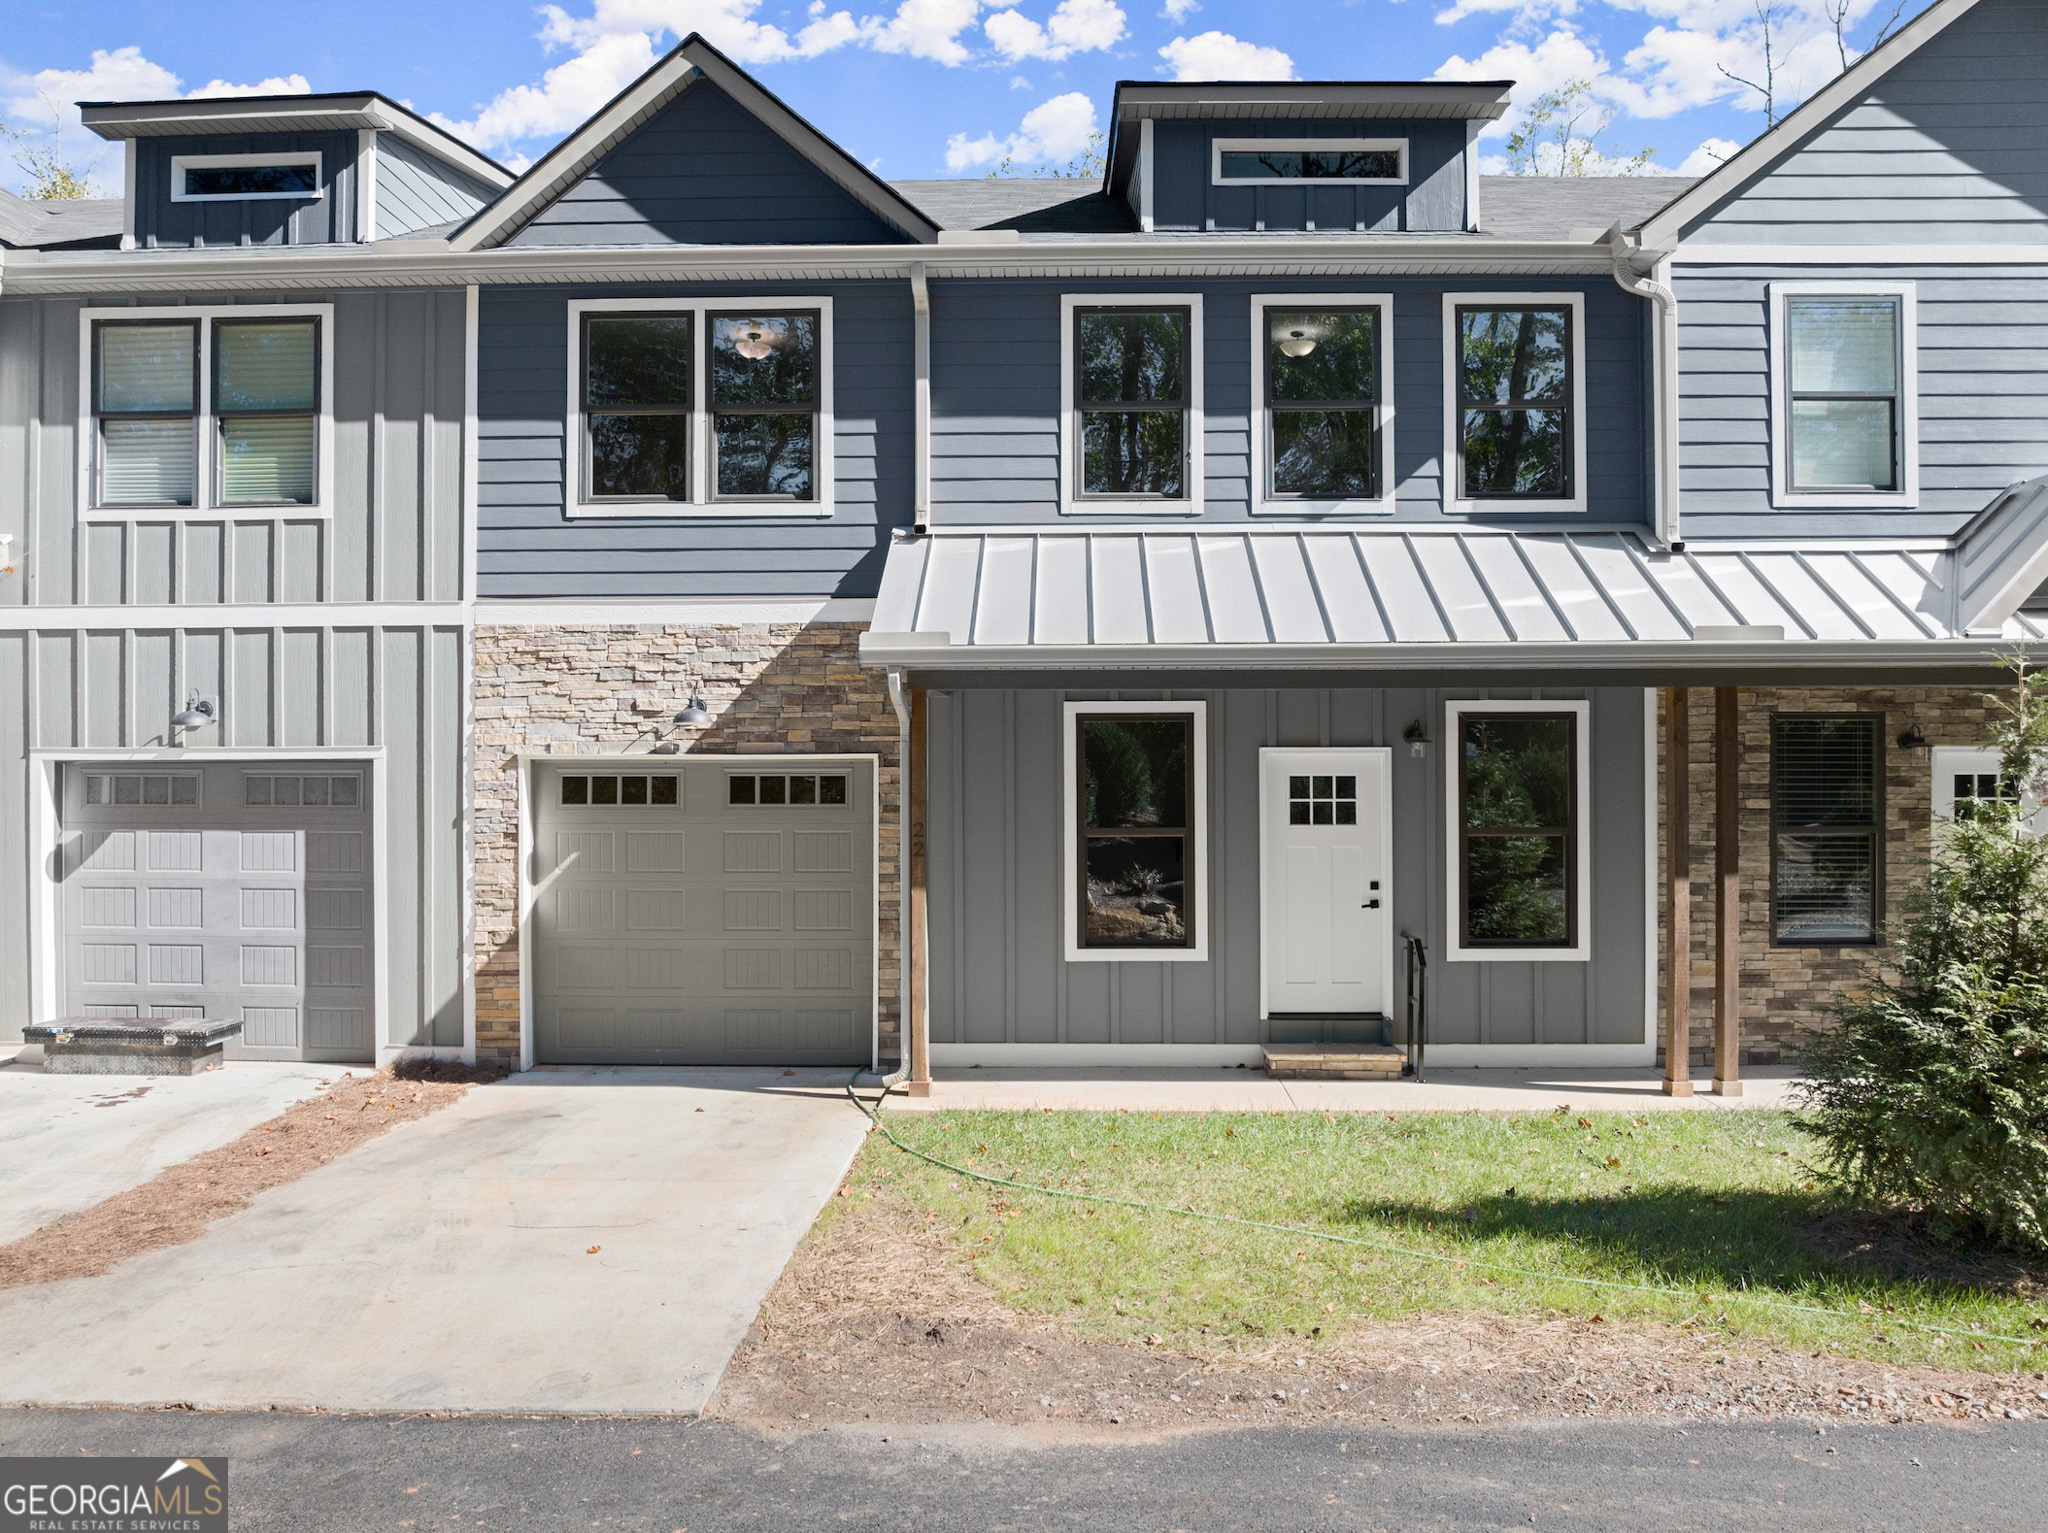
<point>924,29</point>
<point>1059,129</point>
<point>1219,56</point>
<point>1558,59</point>
<point>35,103</point>
<point>1075,26</point>
<point>1708,158</point>
<point>1525,12</point>
<point>1179,10</point>
<point>565,96</point>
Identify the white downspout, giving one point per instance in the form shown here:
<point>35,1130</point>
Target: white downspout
<point>921,347</point>
<point>1664,377</point>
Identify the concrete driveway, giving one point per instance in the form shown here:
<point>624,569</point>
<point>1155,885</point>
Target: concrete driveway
<point>449,1264</point>
<point>70,1141</point>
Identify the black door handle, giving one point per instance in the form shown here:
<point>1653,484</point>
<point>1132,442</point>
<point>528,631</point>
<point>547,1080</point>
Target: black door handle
<point>1370,905</point>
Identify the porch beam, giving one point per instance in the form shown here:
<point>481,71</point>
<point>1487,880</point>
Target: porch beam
<point>917,1016</point>
<point>1727,896</point>
<point>1677,895</point>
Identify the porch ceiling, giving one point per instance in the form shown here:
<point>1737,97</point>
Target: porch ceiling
<point>1314,597</point>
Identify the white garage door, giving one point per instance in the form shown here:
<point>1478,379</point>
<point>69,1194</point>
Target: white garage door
<point>715,911</point>
<point>234,890</point>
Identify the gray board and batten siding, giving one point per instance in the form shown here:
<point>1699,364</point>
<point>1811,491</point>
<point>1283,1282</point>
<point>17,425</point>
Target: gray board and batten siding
<point>996,394</point>
<point>705,171</point>
<point>415,190</point>
<point>527,544</point>
<point>339,687</point>
<point>1982,360</point>
<point>997,974</point>
<point>394,534</point>
<point>324,220</point>
<point>1185,198</point>
<point>1950,147</point>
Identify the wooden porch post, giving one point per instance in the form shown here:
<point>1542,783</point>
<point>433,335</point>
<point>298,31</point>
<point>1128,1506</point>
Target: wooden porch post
<point>1727,896</point>
<point>1677,895</point>
<point>917,1019</point>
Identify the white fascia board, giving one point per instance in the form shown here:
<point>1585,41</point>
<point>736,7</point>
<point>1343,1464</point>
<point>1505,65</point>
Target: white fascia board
<point>680,612</point>
<point>435,263</point>
<point>1964,258</point>
<point>1662,231</point>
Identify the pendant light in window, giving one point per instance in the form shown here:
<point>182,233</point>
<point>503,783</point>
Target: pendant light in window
<point>1299,343</point>
<point>753,343</point>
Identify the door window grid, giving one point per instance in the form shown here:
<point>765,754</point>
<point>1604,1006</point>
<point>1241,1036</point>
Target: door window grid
<point>1322,800</point>
<point>623,791</point>
<point>317,790</point>
<point>780,790</point>
<point>147,789</point>
<point>1972,788</point>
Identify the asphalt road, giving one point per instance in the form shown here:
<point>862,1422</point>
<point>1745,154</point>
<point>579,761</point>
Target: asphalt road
<point>340,1474</point>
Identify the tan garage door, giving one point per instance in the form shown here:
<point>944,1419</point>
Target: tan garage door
<point>236,890</point>
<point>710,911</point>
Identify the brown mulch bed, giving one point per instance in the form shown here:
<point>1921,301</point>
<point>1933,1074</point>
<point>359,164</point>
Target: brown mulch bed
<point>177,1204</point>
<point>878,1320</point>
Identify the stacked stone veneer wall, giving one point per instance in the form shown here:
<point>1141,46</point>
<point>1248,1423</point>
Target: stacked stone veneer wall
<point>1785,989</point>
<point>572,690</point>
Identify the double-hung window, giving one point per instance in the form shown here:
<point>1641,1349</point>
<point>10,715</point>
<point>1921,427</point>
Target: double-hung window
<point>699,408</point>
<point>1519,832</point>
<point>1843,381</point>
<point>195,410</point>
<point>1827,828</point>
<point>1323,438</point>
<point>1136,829</point>
<point>1516,408</point>
<point>1132,381</point>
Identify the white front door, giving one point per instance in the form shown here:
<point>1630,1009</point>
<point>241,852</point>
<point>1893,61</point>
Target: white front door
<point>1327,904</point>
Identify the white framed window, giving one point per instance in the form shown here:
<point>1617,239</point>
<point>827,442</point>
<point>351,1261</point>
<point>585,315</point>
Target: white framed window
<point>273,177</point>
<point>1290,161</point>
<point>1323,406</point>
<point>1135,845</point>
<point>1519,831</point>
<point>201,410</point>
<point>1514,402</point>
<point>699,407</point>
<point>1845,384</point>
<point>1131,404</point>
<point>1966,775</point>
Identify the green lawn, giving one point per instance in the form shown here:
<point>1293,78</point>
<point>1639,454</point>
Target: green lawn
<point>1718,1205</point>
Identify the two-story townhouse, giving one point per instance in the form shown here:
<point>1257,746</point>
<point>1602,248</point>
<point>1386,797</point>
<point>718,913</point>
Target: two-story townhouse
<point>1268,556</point>
<point>233,667</point>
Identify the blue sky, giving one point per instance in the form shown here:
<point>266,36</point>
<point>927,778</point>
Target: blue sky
<point>922,87</point>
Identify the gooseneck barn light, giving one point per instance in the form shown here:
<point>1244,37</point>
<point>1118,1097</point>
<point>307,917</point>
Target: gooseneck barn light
<point>196,714</point>
<point>696,713</point>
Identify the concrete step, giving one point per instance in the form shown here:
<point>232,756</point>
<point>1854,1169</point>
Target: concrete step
<point>1334,1061</point>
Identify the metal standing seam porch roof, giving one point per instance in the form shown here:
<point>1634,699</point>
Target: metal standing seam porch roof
<point>1032,598</point>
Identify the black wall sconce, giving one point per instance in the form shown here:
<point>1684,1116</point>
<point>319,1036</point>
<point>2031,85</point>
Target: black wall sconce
<point>1912,739</point>
<point>1417,737</point>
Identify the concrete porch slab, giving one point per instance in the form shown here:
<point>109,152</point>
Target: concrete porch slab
<point>1237,1090</point>
<point>70,1141</point>
<point>449,1265</point>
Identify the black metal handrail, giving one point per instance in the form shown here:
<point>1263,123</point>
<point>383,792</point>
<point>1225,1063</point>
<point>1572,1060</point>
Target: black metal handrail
<point>1418,1002</point>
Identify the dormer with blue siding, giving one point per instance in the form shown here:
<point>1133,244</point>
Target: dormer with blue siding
<point>1298,158</point>
<point>289,171</point>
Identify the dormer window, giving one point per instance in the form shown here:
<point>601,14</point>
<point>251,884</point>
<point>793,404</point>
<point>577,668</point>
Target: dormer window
<point>244,177</point>
<point>1331,161</point>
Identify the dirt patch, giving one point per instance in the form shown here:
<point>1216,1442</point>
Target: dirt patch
<point>1894,1245</point>
<point>176,1204</point>
<point>878,1319</point>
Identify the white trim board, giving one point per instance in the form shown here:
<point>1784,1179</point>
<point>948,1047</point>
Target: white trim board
<point>1778,340</point>
<point>1106,1056</point>
<point>207,617</point>
<point>1263,503</point>
<point>1454,502</point>
<point>204,507</point>
<point>1070,499</point>
<point>1582,709</point>
<point>180,163</point>
<point>702,504</point>
<point>1196,867</point>
<point>1538,1056</point>
<point>1964,258</point>
<point>681,610</point>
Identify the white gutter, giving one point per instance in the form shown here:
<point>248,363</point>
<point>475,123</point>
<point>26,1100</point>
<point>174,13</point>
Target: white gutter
<point>934,652</point>
<point>921,368</point>
<point>1664,378</point>
<point>431,263</point>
